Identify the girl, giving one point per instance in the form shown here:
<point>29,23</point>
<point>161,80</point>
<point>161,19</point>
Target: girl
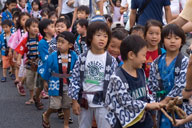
<point>153,37</point>
<point>9,5</point>
<point>22,5</point>
<point>36,7</point>
<point>168,71</point>
<point>116,10</point>
<point>53,16</point>
<point>90,77</point>
<point>14,42</point>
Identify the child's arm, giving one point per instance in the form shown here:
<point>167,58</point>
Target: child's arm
<point>183,121</point>
<point>112,3</point>
<point>19,60</point>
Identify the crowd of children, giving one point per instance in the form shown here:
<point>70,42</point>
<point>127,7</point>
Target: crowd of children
<point>94,67</point>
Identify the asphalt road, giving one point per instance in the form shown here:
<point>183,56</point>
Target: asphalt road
<point>15,114</point>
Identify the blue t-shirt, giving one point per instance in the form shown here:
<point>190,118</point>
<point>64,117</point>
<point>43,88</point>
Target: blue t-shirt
<point>154,10</point>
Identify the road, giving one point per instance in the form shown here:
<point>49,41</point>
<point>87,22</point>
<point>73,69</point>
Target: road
<point>15,114</point>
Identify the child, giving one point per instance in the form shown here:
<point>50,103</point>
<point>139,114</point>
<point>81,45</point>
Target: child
<point>53,16</point>
<point>62,25</point>
<point>44,13</point>
<point>116,10</point>
<point>29,45</point>
<point>80,43</point>
<point>6,55</point>
<point>36,7</point>
<point>59,62</point>
<point>109,20</point>
<point>14,41</point>
<point>137,30</point>
<point>47,30</point>
<point>168,71</point>
<point>127,95</point>
<point>115,43</point>
<point>9,5</point>
<point>90,77</point>
<point>22,5</point>
<point>153,37</point>
<point>82,13</point>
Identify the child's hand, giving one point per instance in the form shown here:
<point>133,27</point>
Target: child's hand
<point>10,54</point>
<point>179,122</point>
<point>154,106</point>
<point>76,107</point>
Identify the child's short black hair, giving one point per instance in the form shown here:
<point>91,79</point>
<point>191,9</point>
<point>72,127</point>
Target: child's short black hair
<point>118,34</point>
<point>44,12</point>
<point>65,21</point>
<point>43,25</point>
<point>52,13</point>
<point>70,37</point>
<point>95,27</point>
<point>132,43</point>
<point>137,28</point>
<point>151,23</point>
<point>7,22</point>
<point>37,2</point>
<point>83,8</point>
<point>30,21</point>
<point>83,22</point>
<point>108,18</point>
<point>14,10</point>
<point>173,29</point>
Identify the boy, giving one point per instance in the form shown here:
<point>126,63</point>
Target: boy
<point>82,13</point>
<point>115,43</point>
<point>80,43</point>
<point>29,46</point>
<point>6,55</point>
<point>90,77</point>
<point>59,63</point>
<point>61,25</point>
<point>46,46</point>
<point>137,30</point>
<point>127,92</point>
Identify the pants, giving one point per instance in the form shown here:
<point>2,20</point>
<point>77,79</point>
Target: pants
<point>86,116</point>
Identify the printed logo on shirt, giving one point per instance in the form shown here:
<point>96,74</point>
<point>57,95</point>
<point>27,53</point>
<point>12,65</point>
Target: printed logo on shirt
<point>95,73</point>
<point>139,93</point>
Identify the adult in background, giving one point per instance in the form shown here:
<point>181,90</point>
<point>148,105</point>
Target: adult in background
<point>153,10</point>
<point>66,7</point>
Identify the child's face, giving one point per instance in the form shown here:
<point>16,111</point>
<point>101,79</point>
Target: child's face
<point>23,20</point>
<point>53,18</point>
<point>138,32</point>
<point>11,6</point>
<point>60,27</point>
<point>153,36</point>
<point>22,3</point>
<point>35,6</point>
<point>114,47</point>
<point>15,20</point>
<point>99,41</point>
<point>33,29</point>
<point>50,30</point>
<point>172,43</point>
<point>118,3</point>
<point>6,28</point>
<point>63,45</point>
<point>45,16</point>
<point>138,59</point>
<point>82,15</point>
<point>80,30</point>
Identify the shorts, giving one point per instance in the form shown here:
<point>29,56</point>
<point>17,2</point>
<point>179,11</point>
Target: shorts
<point>57,102</point>
<point>7,61</point>
<point>31,77</point>
<point>39,82</point>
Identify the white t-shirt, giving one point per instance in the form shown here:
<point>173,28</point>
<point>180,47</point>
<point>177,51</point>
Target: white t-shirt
<point>65,8</point>
<point>124,4</point>
<point>94,75</point>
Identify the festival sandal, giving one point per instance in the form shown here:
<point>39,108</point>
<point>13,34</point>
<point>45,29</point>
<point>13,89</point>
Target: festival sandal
<point>29,102</point>
<point>60,114</point>
<point>38,104</point>
<point>44,123</point>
